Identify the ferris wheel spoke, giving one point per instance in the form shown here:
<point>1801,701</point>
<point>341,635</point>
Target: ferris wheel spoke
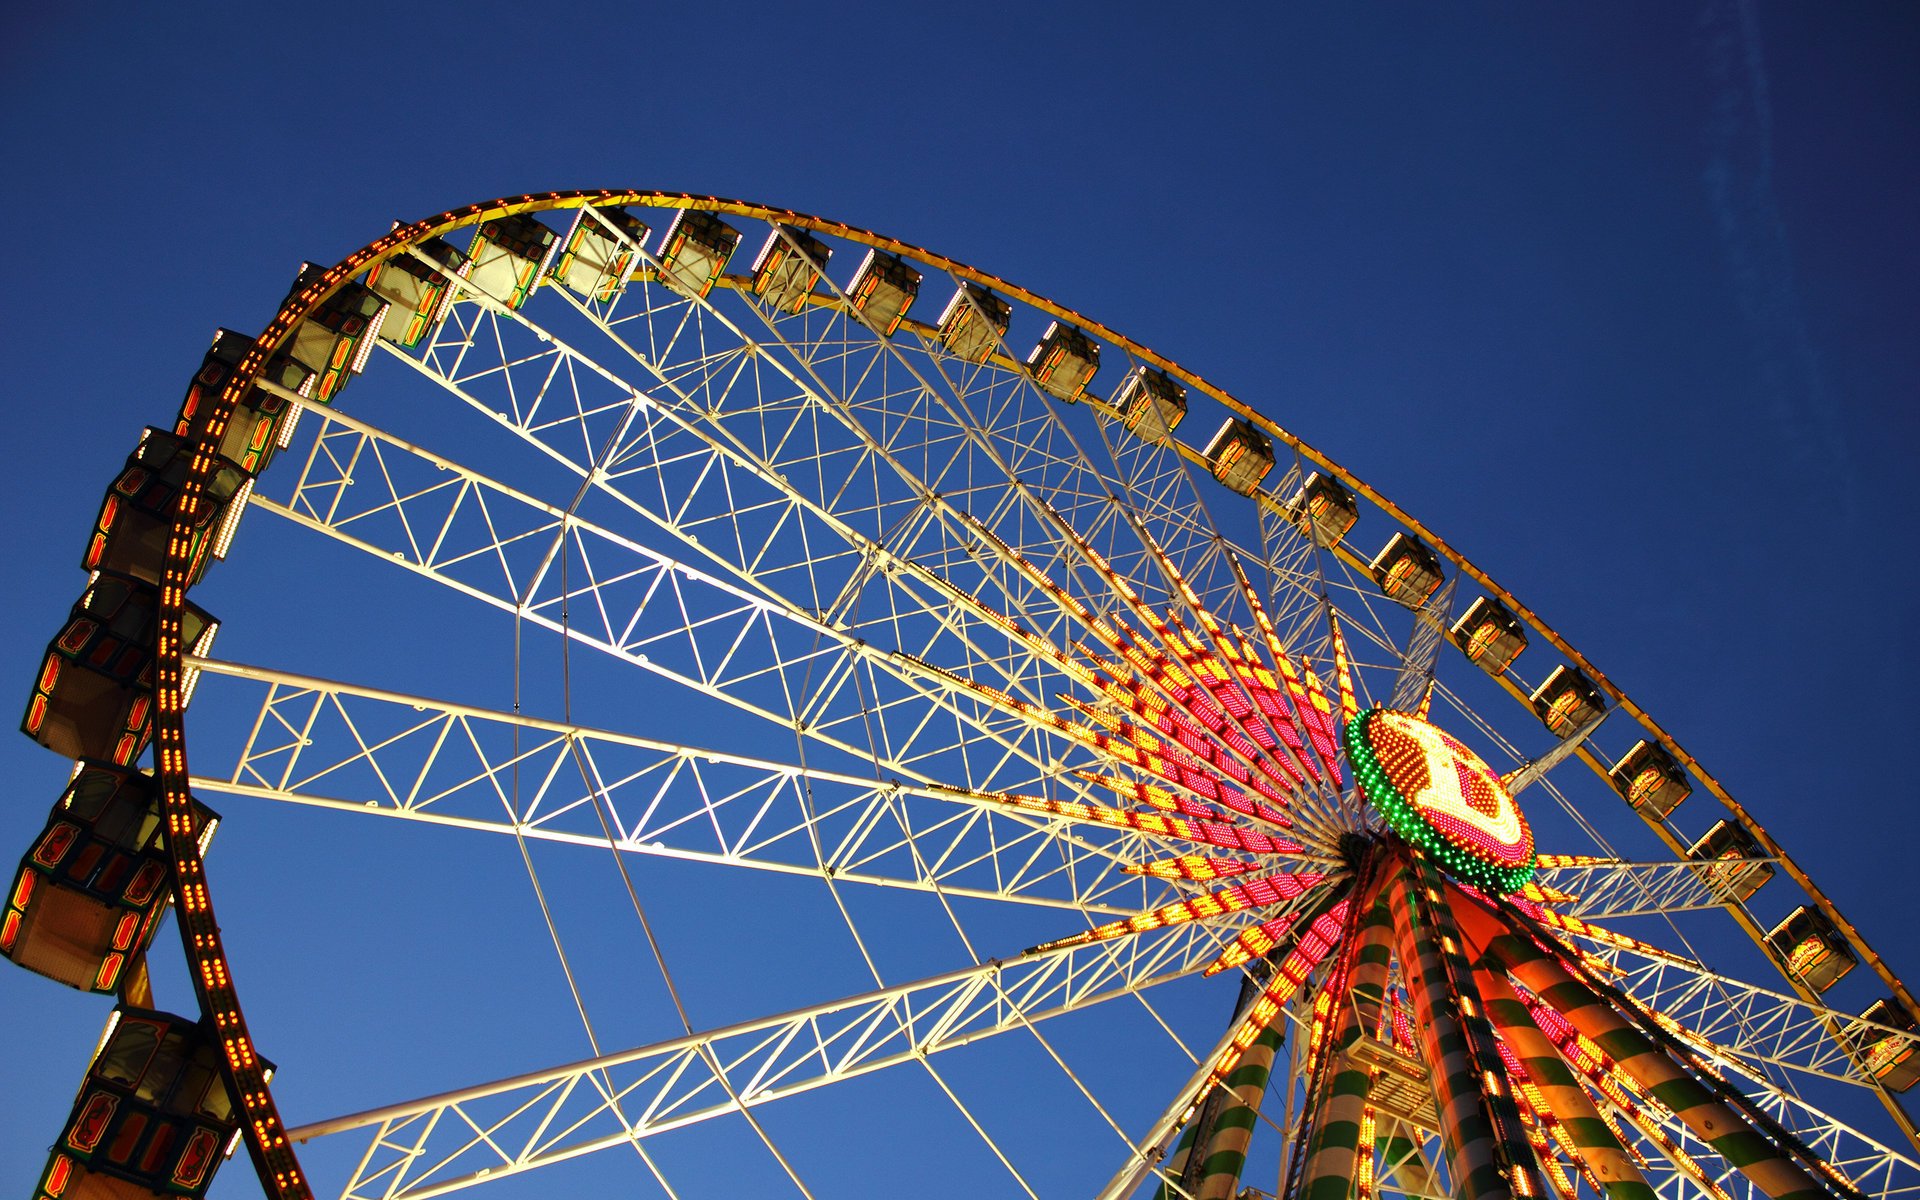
<point>1612,888</point>
<point>458,1139</point>
<point>450,524</point>
<point>365,750</point>
<point>1749,1028</point>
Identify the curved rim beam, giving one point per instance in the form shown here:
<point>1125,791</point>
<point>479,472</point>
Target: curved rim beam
<point>274,1160</point>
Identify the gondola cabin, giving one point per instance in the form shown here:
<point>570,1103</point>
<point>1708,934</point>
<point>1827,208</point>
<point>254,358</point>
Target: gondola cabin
<point>263,421</point>
<point>1728,848</point>
<point>1650,779</point>
<point>153,1117</point>
<point>130,534</point>
<point>1489,635</point>
<point>1407,570</point>
<point>93,697</point>
<point>418,293</point>
<point>1325,509</point>
<point>790,262</point>
<point>1810,949</point>
<point>882,291</point>
<point>1151,404</point>
<point>599,252</point>
<point>1240,456</point>
<point>508,255</point>
<point>88,895</point>
<point>1566,701</point>
<point>1063,362</point>
<point>335,339</point>
<point>973,322</point>
<point>1891,1058</point>
<point>696,251</point>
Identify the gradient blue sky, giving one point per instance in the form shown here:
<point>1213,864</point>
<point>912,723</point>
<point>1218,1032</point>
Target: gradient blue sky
<point>1621,299</point>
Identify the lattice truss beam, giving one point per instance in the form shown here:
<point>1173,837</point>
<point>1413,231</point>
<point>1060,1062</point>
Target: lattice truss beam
<point>444,1143</point>
<point>363,750</point>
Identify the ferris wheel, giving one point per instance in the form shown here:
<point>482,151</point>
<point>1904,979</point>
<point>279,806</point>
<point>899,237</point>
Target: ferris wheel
<point>928,728</point>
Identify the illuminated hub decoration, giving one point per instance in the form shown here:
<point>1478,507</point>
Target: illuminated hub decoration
<point>1437,795</point>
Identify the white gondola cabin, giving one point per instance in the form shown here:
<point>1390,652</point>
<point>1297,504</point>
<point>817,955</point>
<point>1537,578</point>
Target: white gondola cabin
<point>1151,404</point>
<point>882,291</point>
<point>335,339</point>
<point>1489,635</point>
<point>1240,456</point>
<point>136,517</point>
<point>973,322</point>
<point>1325,509</point>
<point>599,252</point>
<point>1737,866</point>
<point>418,293</point>
<point>790,262</point>
<point>153,1117</point>
<point>508,255</point>
<point>93,697</point>
<point>264,420</point>
<point>1810,949</point>
<point>1566,700</point>
<point>1650,779</point>
<point>92,888</point>
<point>1063,362</point>
<point>1891,1058</point>
<point>1407,570</point>
<point>696,250</point>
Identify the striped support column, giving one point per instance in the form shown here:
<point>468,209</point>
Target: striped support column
<point>1340,1135</point>
<point>1562,1093</point>
<point>1487,1151</point>
<point>1768,1167</point>
<point>1233,1129</point>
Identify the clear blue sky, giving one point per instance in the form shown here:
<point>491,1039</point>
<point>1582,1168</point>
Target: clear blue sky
<point>1621,300</point>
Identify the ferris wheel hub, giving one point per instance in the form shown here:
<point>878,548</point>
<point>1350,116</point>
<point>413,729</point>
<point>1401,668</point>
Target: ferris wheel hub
<point>1441,797</point>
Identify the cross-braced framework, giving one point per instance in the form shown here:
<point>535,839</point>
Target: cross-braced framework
<point>809,579</point>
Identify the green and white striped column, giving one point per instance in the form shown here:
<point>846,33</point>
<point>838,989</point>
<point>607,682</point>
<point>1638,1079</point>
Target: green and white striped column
<point>1334,1150</point>
<point>1563,1095</point>
<point>1488,1156</point>
<point>1731,1137</point>
<point>1216,1176</point>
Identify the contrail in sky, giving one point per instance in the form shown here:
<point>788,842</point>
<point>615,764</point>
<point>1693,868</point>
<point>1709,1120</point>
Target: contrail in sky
<point>1793,394</point>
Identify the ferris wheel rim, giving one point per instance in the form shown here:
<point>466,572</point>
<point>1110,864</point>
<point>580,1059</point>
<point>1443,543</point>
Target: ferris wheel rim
<point>172,767</point>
